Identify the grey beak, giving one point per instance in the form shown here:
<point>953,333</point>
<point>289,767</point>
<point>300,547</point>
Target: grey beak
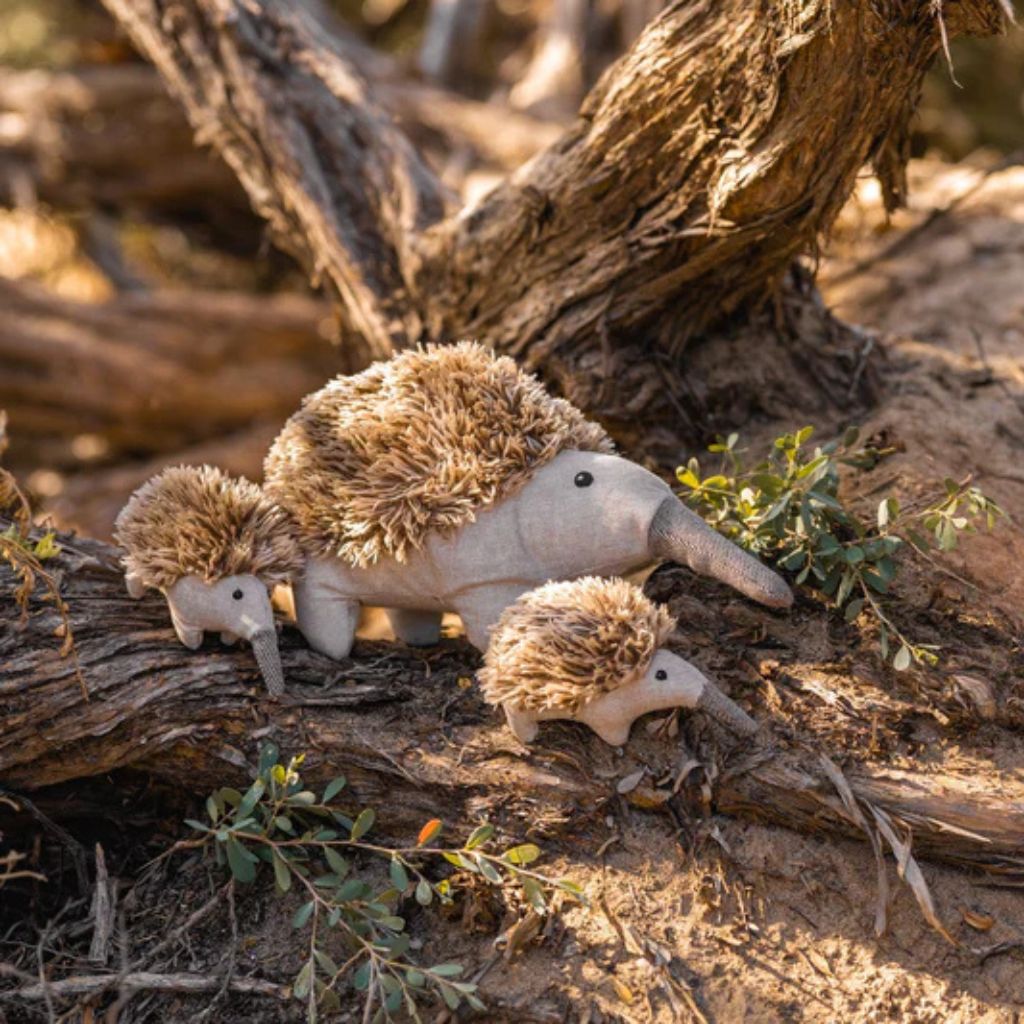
<point>679,535</point>
<point>264,646</point>
<point>732,716</point>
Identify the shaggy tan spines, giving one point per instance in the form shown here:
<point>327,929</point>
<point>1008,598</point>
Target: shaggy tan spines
<point>196,520</point>
<point>564,644</point>
<point>373,463</point>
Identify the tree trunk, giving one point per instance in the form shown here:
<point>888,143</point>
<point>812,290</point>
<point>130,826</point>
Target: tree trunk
<point>396,722</point>
<point>692,179</point>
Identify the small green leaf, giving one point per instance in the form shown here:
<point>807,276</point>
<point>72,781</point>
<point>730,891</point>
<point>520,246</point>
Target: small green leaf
<point>282,876</point>
<point>327,965</point>
<point>303,981</point>
<point>251,798</point>
<point>302,915</point>
<point>399,876</point>
<point>853,609</point>
<point>447,970</point>
<point>363,823</point>
<point>337,863</point>
<point>489,871</point>
<point>424,893</point>
<point>334,787</point>
<point>480,836</point>
<point>361,979</point>
<point>902,660</point>
<point>269,755</point>
<point>534,892</point>
<point>242,868</point>
<point>527,853</point>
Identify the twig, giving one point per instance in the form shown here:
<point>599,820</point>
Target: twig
<point>186,926</point>
<point>103,911</point>
<point>66,839</point>
<point>140,981</point>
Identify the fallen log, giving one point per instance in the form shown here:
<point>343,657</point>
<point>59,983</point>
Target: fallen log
<point>153,373</point>
<point>412,737</point>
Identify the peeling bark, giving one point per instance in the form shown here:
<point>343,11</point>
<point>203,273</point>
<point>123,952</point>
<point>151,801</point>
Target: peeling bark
<point>395,721</point>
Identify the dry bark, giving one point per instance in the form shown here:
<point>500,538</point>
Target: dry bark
<point>689,183</point>
<point>396,723</point>
<point>153,373</point>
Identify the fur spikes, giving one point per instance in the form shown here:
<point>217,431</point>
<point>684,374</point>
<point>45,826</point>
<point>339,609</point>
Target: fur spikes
<point>373,463</point>
<point>564,644</point>
<point>198,521</point>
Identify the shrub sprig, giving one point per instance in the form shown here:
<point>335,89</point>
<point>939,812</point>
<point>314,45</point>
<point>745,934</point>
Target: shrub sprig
<point>786,508</point>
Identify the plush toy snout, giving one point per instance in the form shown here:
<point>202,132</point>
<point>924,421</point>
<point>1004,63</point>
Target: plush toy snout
<point>236,606</point>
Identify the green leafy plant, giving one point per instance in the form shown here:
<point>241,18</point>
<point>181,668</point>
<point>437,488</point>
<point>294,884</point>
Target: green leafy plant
<point>26,555</point>
<point>316,847</point>
<point>786,508</point>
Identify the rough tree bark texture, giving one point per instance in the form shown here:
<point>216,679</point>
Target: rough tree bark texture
<point>412,740</point>
<point>714,152</point>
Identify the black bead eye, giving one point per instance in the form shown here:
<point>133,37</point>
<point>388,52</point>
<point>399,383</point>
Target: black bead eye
<point>238,595</point>
<point>584,479</point>
<point>661,675</point>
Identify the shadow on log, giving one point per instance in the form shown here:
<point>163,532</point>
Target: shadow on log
<point>412,740</point>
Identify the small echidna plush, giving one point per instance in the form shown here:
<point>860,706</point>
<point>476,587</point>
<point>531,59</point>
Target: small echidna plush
<point>447,479</point>
<point>592,650</point>
<point>215,547</point>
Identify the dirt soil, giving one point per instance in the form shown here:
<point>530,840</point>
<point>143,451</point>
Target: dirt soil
<point>721,920</point>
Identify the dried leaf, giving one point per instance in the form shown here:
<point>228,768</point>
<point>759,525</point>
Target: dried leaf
<point>628,783</point>
<point>978,921</point>
<point>623,991</point>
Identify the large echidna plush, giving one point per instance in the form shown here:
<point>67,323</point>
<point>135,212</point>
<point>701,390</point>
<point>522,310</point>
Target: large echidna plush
<point>215,547</point>
<point>446,479</point>
<point>592,650</point>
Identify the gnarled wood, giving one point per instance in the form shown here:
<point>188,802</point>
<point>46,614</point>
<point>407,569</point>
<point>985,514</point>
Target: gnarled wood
<point>396,722</point>
<point>690,181</point>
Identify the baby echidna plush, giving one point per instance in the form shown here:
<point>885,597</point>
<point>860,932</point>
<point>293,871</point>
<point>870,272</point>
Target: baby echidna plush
<point>215,547</point>
<point>447,479</point>
<point>592,650</point>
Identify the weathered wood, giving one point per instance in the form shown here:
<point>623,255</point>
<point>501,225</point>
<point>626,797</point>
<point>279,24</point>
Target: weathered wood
<point>687,186</point>
<point>150,373</point>
<point>411,740</point>
<point>109,136</point>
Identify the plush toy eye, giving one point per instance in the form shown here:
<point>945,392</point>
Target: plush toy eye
<point>238,595</point>
<point>661,675</point>
<point>584,479</point>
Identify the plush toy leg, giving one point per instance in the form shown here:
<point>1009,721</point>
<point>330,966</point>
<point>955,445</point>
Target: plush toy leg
<point>416,628</point>
<point>522,723</point>
<point>190,636</point>
<point>136,588</point>
<point>327,619</point>
<point>607,720</point>
<point>480,609</point>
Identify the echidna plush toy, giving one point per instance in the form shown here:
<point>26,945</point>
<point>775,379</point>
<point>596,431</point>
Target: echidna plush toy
<point>215,547</point>
<point>592,650</point>
<point>446,479</point>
